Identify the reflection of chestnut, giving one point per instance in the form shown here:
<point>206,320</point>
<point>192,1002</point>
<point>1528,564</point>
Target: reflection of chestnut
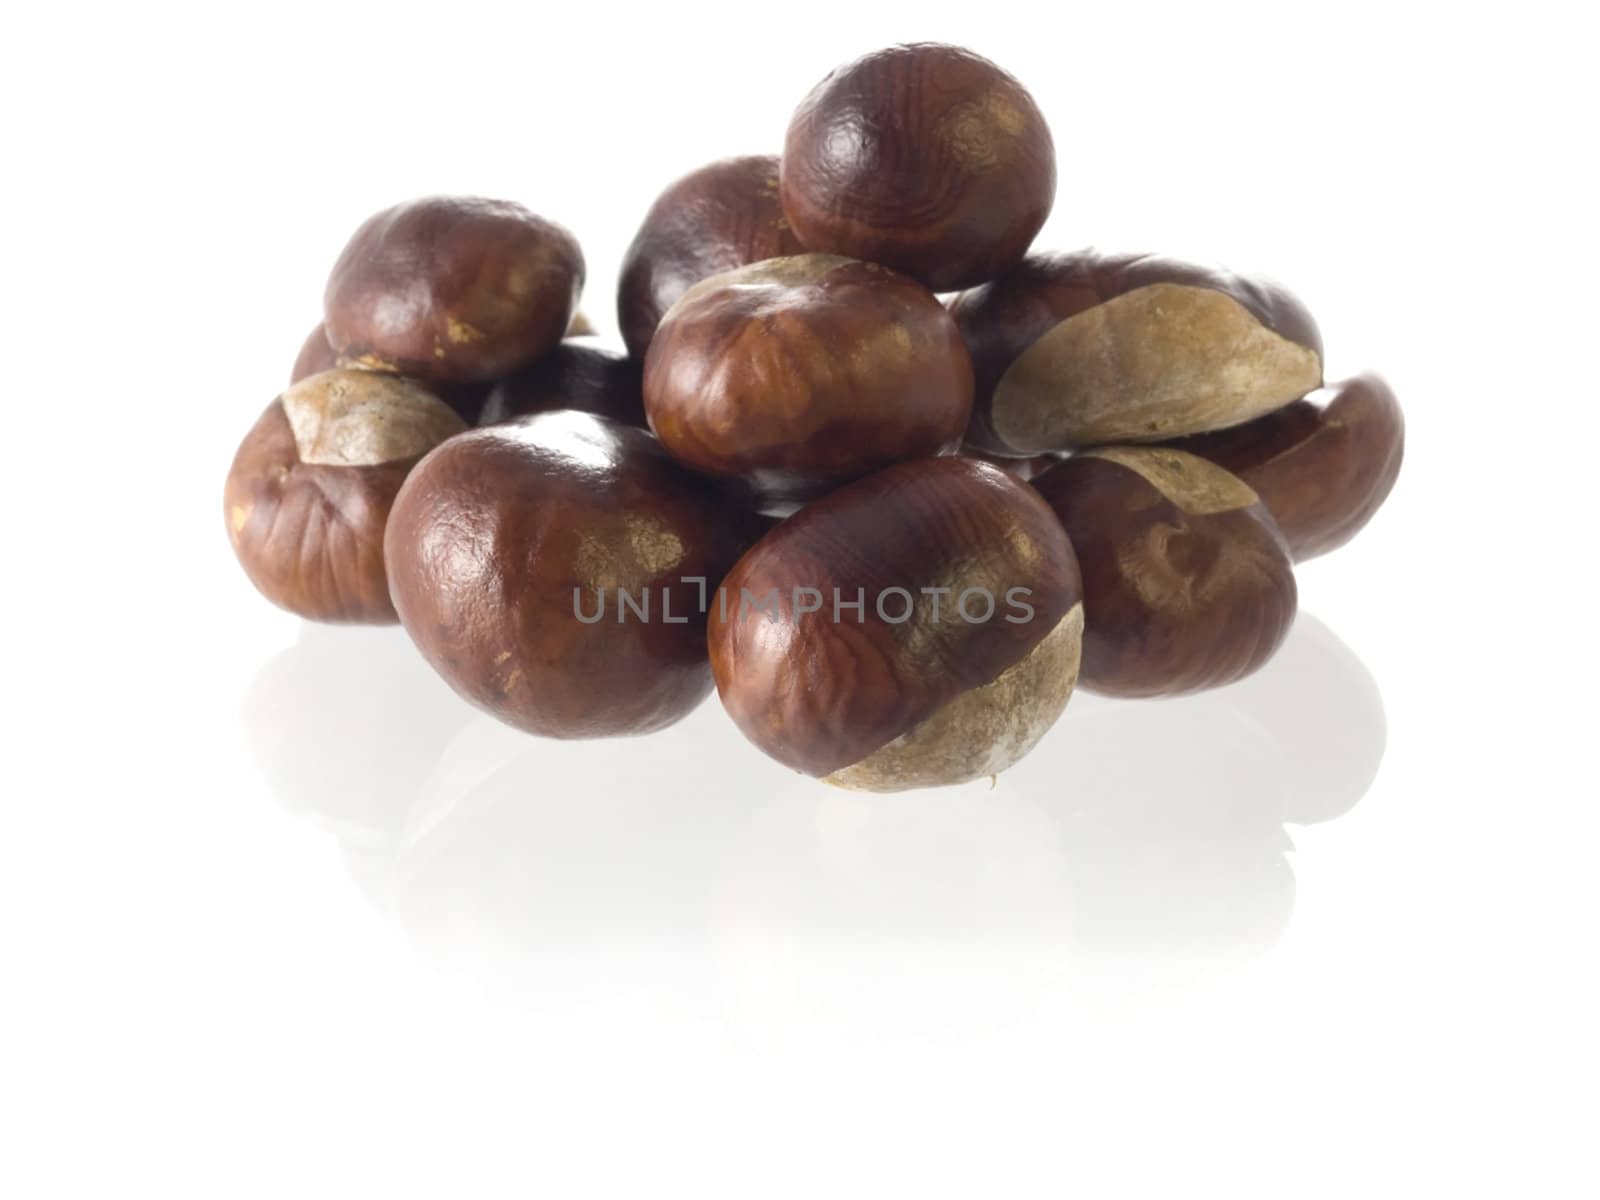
<point>453,288</point>
<point>926,158</point>
<point>917,628</point>
<point>553,568</point>
<point>724,215</point>
<point>797,374</point>
<point>310,489</point>
<point>1187,583</point>
<point>573,375</point>
<point>316,355</point>
<point>1087,348</point>
<point>1322,465</point>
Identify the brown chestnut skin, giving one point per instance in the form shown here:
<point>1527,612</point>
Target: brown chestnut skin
<point>453,289</point>
<point>1322,465</point>
<point>508,551</point>
<point>311,486</point>
<point>316,356</point>
<point>574,375</point>
<point>722,216</point>
<point>1022,468</point>
<point>926,158</point>
<point>1090,348</point>
<point>1187,582</point>
<point>952,678</point>
<point>794,375</point>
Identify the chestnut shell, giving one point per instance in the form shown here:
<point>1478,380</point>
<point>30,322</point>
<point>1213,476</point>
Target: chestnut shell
<point>1322,465</point>
<point>794,375</point>
<point>820,694</point>
<point>1001,320</point>
<point>498,535</point>
<point>722,216</point>
<point>1187,582</point>
<point>927,158</point>
<point>453,288</point>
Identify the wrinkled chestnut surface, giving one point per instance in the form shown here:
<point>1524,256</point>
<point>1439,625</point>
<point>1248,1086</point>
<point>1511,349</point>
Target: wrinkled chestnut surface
<point>317,355</point>
<point>310,489</point>
<point>494,534</point>
<point>587,378</point>
<point>926,158</point>
<point>1187,583</point>
<point>829,691</point>
<point>794,375</point>
<point>453,288</point>
<point>724,215</point>
<point>1322,465</point>
<point>1089,348</point>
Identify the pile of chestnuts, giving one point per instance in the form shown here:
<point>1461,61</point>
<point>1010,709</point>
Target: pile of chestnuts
<point>894,530</point>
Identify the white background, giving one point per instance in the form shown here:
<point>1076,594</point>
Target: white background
<point>281,917</point>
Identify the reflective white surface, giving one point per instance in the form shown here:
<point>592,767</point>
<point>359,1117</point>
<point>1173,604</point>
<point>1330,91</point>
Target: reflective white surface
<point>281,917</point>
<point>1135,831</point>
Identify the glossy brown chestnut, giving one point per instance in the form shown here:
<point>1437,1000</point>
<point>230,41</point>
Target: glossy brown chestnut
<point>1087,348</point>
<point>1322,465</point>
<point>1023,468</point>
<point>724,215</point>
<point>553,570</point>
<point>311,486</point>
<point>1187,583</point>
<point>919,627</point>
<point>453,288</point>
<point>317,355</point>
<point>926,158</point>
<point>794,375</point>
<point>574,375</point>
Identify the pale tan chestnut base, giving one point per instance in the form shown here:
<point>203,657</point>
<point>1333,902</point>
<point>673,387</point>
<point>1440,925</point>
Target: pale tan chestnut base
<point>1158,362</point>
<point>981,732</point>
<point>357,418</point>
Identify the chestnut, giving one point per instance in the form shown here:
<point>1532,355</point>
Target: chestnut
<point>1087,348</point>
<point>317,355</point>
<point>793,375</point>
<point>554,570</point>
<point>916,628</point>
<point>722,216</point>
<point>310,489</point>
<point>926,158</point>
<point>1023,468</point>
<point>1187,583</point>
<point>1322,465</point>
<point>587,378</point>
<point>453,289</point>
